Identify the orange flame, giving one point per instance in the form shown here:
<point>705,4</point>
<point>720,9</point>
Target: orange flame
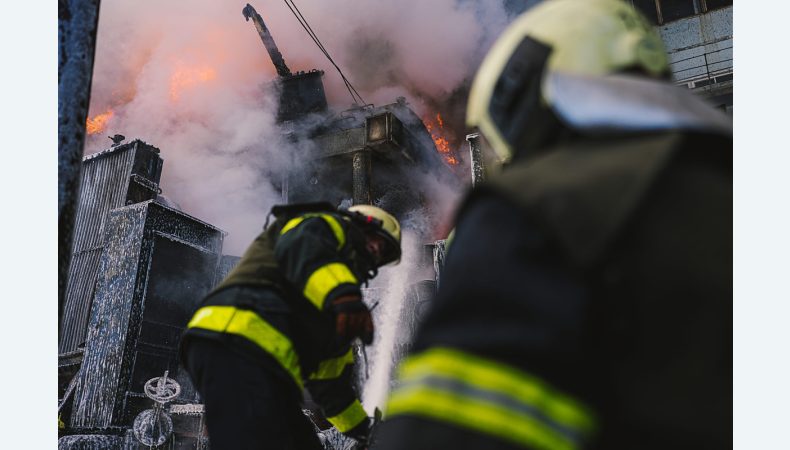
<point>98,123</point>
<point>436,128</point>
<point>188,77</point>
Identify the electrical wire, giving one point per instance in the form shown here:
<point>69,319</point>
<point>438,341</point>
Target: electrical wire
<point>303,21</point>
<point>357,98</point>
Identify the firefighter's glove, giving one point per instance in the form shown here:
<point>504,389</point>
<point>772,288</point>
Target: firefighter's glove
<point>352,318</point>
<point>360,433</point>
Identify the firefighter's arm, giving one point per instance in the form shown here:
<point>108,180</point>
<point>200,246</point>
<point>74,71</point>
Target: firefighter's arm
<point>308,252</point>
<point>331,387</point>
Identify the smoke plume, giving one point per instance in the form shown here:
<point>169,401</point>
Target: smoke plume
<point>187,77</point>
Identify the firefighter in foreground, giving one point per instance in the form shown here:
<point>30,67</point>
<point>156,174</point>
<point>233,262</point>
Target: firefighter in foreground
<point>283,319</point>
<point>586,298</point>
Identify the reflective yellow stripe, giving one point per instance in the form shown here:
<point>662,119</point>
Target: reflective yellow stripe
<point>349,418</point>
<point>291,224</point>
<point>332,368</point>
<point>477,415</point>
<point>493,398</point>
<point>337,229</point>
<point>500,378</point>
<point>245,323</point>
<point>322,281</point>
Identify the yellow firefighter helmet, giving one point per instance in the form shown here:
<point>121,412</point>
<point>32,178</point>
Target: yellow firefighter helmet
<point>385,225</point>
<point>579,37</point>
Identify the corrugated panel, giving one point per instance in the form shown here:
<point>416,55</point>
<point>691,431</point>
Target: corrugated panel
<point>82,279</point>
<point>105,179</point>
<point>103,187</point>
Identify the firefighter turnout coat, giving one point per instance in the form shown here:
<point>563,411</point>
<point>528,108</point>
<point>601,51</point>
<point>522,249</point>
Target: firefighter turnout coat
<point>585,303</point>
<point>273,306</point>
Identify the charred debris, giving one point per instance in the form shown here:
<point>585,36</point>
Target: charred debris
<point>139,265</point>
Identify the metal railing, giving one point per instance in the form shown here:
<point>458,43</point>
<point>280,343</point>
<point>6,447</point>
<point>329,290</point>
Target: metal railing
<point>704,69</point>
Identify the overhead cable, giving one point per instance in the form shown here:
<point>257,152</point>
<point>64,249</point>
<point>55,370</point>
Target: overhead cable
<point>357,98</point>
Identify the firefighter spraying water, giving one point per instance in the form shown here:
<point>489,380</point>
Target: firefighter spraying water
<point>285,319</point>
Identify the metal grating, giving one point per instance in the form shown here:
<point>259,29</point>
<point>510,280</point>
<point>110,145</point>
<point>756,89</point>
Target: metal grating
<point>79,293</point>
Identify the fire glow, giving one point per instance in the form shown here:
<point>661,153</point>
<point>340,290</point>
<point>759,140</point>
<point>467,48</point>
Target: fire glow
<point>98,123</point>
<point>188,77</point>
<point>435,126</point>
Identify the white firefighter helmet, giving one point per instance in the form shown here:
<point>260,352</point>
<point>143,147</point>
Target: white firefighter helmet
<point>385,225</point>
<point>578,37</point>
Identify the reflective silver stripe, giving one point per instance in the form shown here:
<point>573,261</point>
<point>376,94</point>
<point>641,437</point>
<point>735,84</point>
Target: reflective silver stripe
<point>490,397</point>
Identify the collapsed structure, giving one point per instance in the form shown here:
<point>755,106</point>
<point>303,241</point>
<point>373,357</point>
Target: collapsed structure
<point>140,266</point>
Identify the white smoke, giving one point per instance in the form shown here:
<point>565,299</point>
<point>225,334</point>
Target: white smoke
<point>187,78</point>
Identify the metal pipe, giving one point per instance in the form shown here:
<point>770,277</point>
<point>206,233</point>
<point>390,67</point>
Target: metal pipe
<point>268,41</point>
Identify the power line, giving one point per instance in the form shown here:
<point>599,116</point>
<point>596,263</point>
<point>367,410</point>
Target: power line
<point>357,98</point>
<point>303,21</point>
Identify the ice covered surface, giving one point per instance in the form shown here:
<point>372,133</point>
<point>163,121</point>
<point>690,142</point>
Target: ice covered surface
<point>152,427</point>
<point>95,442</point>
<point>334,440</point>
<point>142,241</point>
